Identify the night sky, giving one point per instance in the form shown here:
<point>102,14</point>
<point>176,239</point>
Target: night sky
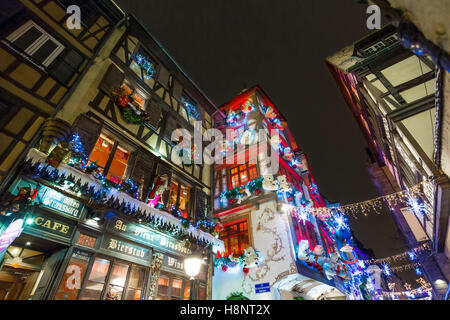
<point>225,46</point>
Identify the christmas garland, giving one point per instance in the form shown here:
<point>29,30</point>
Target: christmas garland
<point>127,110</point>
<point>237,296</point>
<point>238,193</point>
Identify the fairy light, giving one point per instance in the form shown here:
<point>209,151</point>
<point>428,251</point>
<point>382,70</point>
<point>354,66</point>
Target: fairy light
<point>386,269</point>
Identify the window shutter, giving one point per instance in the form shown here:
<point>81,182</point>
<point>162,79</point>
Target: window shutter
<point>143,168</point>
<point>177,90</point>
<point>200,204</point>
<point>113,79</point>
<point>154,110</point>
<point>89,131</point>
<point>163,77</point>
<point>171,125</point>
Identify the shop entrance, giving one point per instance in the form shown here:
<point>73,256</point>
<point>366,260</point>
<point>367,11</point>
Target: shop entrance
<point>23,266</point>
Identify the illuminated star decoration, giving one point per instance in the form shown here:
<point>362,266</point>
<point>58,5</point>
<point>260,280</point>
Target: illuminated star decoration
<point>407,286</point>
<point>418,271</point>
<point>386,269</point>
<point>417,206</point>
<point>303,216</point>
<point>341,222</point>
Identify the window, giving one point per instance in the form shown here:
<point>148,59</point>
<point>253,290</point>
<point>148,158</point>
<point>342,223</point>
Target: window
<point>73,277</point>
<point>173,288</point>
<point>114,281</point>
<point>36,43</point>
<point>235,237</point>
<point>220,185</point>
<point>138,100</point>
<point>189,109</point>
<point>242,174</point>
<point>179,195</point>
<point>143,66</point>
<point>111,157</point>
<point>96,280</point>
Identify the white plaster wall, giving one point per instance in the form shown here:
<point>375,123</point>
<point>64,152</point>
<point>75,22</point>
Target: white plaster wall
<point>430,16</point>
<point>271,236</point>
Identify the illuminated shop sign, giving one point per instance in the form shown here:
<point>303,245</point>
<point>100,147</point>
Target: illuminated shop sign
<point>125,248</point>
<point>145,235</point>
<point>173,263</point>
<point>50,225</point>
<point>54,200</point>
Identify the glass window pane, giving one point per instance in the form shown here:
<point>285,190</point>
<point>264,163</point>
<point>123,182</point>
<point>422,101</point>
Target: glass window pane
<point>133,294</point>
<point>99,270</point>
<point>114,293</point>
<point>187,291</point>
<point>163,287</point>
<point>136,278</point>
<point>45,51</point>
<point>92,291</point>
<point>173,193</point>
<point>73,277</point>
<point>177,285</point>
<point>202,292</point>
<point>184,198</point>
<point>119,274</point>
<point>27,39</point>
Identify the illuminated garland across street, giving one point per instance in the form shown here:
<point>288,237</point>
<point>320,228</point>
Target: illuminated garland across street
<point>412,197</point>
<point>411,255</point>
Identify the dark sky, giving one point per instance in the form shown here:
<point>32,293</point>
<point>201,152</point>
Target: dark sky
<point>280,45</point>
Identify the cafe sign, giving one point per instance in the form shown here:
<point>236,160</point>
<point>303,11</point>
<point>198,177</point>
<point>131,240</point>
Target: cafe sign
<point>50,225</point>
<point>125,248</point>
<point>146,236</point>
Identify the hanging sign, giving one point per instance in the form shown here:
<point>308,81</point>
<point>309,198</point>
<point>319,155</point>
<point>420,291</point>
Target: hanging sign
<point>10,234</point>
<point>146,236</point>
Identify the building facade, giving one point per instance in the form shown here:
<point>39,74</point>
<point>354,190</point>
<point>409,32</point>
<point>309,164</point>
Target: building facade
<point>278,244</point>
<point>396,98</point>
<point>94,204</point>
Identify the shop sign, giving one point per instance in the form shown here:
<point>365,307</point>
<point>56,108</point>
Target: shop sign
<point>146,236</point>
<point>52,199</point>
<point>173,263</point>
<point>125,248</point>
<point>50,225</point>
<point>10,234</point>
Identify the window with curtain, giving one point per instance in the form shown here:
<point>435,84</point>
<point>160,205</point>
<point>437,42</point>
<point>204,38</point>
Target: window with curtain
<point>235,236</point>
<point>171,287</point>
<point>138,98</point>
<point>179,195</point>
<point>241,174</point>
<point>108,152</point>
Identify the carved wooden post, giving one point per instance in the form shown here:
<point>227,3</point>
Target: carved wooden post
<point>156,268</point>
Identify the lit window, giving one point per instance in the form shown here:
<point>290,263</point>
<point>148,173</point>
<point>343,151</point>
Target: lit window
<point>107,151</point>
<point>235,237</point>
<point>242,174</point>
<point>180,192</point>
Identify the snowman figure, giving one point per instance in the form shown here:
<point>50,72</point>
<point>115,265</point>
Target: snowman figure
<point>269,183</point>
<point>283,184</point>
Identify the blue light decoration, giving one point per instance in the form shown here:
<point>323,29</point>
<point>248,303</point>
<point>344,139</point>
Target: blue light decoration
<point>190,107</point>
<point>78,156</point>
<point>386,269</point>
<point>412,255</point>
<point>146,66</point>
<point>418,271</point>
<point>417,206</point>
<point>341,222</point>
